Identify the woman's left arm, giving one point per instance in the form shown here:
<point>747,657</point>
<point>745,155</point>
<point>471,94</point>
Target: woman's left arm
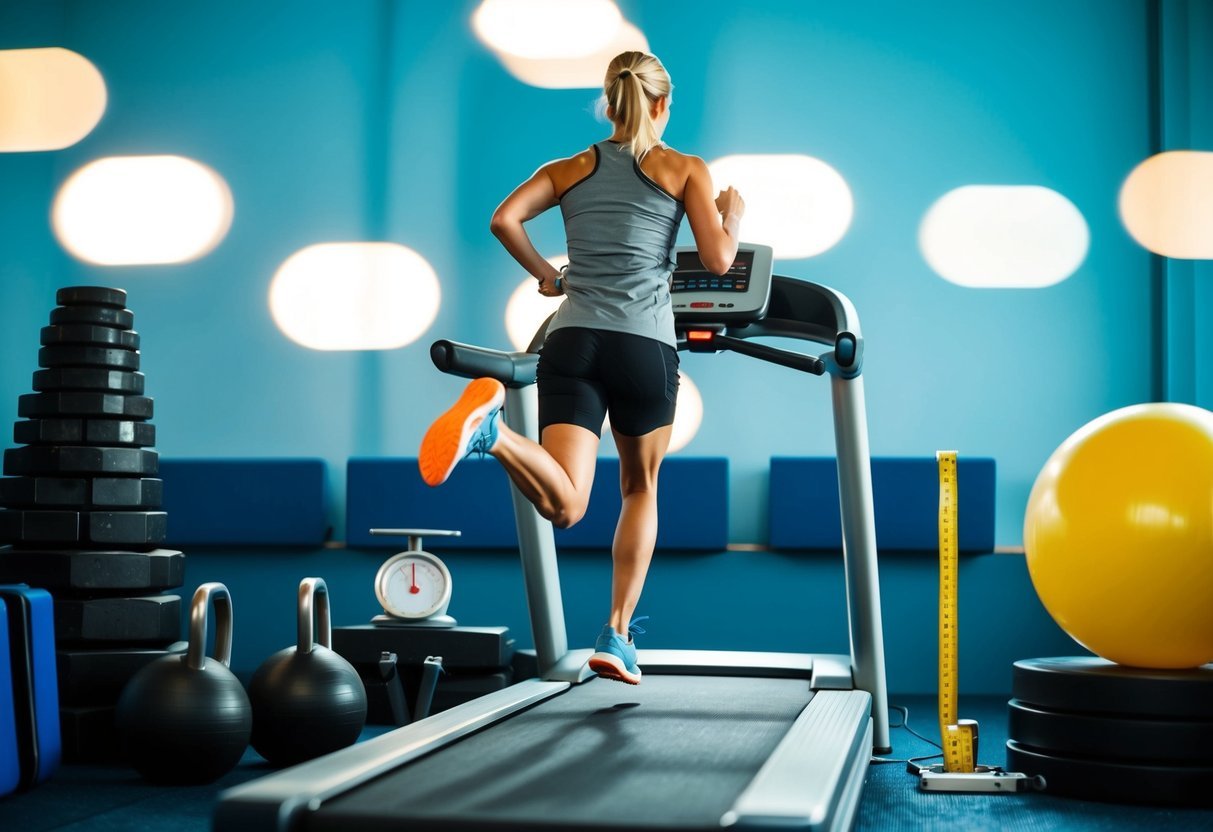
<point>530,199</point>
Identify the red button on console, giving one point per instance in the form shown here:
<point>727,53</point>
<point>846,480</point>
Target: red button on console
<point>702,304</point>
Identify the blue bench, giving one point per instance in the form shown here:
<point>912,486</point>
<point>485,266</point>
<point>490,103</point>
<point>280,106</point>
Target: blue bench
<point>222,502</point>
<point>383,493</point>
<point>804,511</point>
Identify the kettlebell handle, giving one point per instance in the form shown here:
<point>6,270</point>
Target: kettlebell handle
<point>313,592</point>
<point>195,657</point>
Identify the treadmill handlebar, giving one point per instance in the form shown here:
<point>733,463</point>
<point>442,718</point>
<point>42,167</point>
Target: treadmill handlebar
<point>513,369</point>
<point>784,358</point>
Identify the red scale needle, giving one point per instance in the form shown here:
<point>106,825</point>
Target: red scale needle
<point>414,589</point>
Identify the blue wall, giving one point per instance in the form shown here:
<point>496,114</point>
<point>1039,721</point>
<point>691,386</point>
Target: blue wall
<point>388,120</point>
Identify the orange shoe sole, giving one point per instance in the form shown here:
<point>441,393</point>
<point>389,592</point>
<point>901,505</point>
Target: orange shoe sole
<point>607,669</point>
<point>445,443</point>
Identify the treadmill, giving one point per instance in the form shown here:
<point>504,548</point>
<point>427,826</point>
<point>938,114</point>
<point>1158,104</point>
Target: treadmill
<point>710,739</point>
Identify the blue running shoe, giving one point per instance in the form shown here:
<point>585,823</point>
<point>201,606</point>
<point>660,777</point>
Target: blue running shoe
<point>615,656</point>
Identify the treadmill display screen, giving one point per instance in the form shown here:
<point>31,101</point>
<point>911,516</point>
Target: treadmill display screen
<point>691,276</point>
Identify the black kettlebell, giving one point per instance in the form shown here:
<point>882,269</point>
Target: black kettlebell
<point>307,700</point>
<point>186,718</point>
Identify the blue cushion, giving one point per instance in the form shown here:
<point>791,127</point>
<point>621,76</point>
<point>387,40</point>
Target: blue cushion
<point>245,501</point>
<point>389,493</point>
<point>804,511</point>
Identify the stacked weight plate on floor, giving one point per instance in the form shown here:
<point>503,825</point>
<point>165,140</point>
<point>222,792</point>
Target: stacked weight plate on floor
<point>1101,731</point>
<point>80,504</point>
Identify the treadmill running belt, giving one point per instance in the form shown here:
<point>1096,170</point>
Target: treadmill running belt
<point>673,753</point>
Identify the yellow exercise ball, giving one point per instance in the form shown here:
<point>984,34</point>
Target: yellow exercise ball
<point>1119,536</point>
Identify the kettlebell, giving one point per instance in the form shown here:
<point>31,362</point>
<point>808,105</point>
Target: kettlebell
<point>307,700</point>
<point>185,719</point>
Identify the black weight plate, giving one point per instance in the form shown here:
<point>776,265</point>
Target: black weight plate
<point>152,620</point>
<point>93,315</point>
<point>93,676</point>
<point>69,355</point>
<point>1090,685</point>
<point>43,492</point>
<point>1114,782</point>
<point>89,378</point>
<point>87,734</point>
<point>127,492</point>
<point>50,460</point>
<point>85,405</point>
<point>137,529</point>
<point>91,296</point>
<point>122,529</point>
<point>1133,739</point>
<point>93,571</point>
<point>18,526</point>
<point>90,336</point>
<point>104,432</point>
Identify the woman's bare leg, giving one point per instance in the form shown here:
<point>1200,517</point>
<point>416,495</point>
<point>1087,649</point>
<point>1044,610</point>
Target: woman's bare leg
<point>636,533</point>
<point>557,475</point>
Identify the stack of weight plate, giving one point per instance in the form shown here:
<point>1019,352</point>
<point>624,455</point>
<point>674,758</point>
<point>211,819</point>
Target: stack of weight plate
<point>80,505</point>
<point>1101,731</point>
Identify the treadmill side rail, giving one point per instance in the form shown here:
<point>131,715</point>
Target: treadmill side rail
<point>276,801</point>
<point>813,779</point>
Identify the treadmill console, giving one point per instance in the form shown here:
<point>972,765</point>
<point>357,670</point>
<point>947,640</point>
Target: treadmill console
<point>739,296</point>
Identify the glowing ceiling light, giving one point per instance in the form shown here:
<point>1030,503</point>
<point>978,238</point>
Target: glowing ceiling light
<point>526,309</point>
<point>547,28</point>
<point>354,296</point>
<point>798,205</point>
<point>585,72</point>
<point>50,98</point>
<point>1166,203</point>
<point>132,210</point>
<point>1004,236</point>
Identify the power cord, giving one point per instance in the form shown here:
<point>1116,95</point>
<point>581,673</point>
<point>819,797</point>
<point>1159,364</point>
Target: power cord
<point>905,723</point>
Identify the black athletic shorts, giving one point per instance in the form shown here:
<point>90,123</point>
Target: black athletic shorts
<point>585,373</point>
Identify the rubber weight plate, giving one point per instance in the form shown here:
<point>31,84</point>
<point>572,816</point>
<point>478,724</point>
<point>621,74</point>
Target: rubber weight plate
<point>91,296</point>
<point>95,676</point>
<point>88,734</point>
<point>127,492</point>
<point>86,405</point>
<point>103,432</point>
<point>17,526</point>
<point>142,529</point>
<point>154,619</point>
<point>89,378</point>
<point>1090,685</point>
<point>70,355</point>
<point>123,529</point>
<point>77,493</point>
<point>90,336</point>
<point>1114,782</point>
<point>1131,739</point>
<point>43,492</point>
<point>93,572</point>
<point>49,460</point>
<point>93,315</point>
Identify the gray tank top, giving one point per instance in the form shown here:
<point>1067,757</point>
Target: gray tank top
<point>621,227</point>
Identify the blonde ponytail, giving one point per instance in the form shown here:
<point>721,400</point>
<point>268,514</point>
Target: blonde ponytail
<point>634,80</point>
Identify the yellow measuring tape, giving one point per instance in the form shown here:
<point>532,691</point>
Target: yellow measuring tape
<point>958,736</point>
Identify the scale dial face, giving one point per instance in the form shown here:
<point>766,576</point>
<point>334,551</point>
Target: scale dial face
<point>413,585</point>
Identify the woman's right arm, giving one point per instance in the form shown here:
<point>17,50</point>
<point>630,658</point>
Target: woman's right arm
<point>528,200</point>
<point>715,222</point>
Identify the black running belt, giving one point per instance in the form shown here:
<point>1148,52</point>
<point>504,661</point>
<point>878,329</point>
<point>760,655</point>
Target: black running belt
<point>673,753</point>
